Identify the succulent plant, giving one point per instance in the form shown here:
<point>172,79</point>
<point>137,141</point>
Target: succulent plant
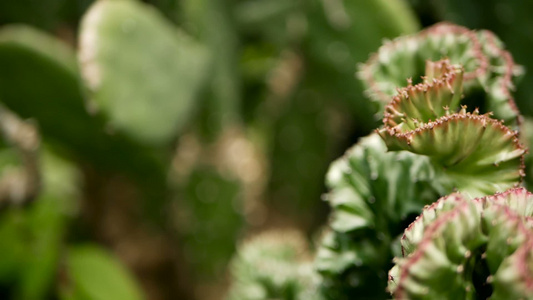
<point>372,193</point>
<point>470,152</point>
<point>274,265</point>
<point>480,248</point>
<point>435,147</point>
<point>489,70</point>
<point>141,72</point>
<point>438,137</point>
<point>56,89</point>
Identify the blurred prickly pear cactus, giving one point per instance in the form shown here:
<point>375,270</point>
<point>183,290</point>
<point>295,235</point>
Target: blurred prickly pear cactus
<point>56,89</point>
<point>38,199</point>
<point>117,110</point>
<point>141,71</point>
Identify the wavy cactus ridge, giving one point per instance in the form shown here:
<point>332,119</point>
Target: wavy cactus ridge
<point>440,139</point>
<point>356,180</point>
<point>415,231</point>
<point>502,100</point>
<point>430,264</point>
<point>488,67</point>
<point>458,143</point>
<point>517,199</point>
<point>475,153</point>
<point>439,94</point>
<point>455,235</point>
<point>506,231</point>
<point>442,34</point>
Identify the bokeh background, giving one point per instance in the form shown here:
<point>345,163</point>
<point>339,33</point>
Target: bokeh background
<point>135,207</point>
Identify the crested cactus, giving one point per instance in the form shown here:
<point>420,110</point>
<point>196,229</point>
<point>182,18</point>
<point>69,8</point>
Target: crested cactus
<point>436,146</point>
<point>481,248</point>
<point>425,119</point>
<point>489,70</point>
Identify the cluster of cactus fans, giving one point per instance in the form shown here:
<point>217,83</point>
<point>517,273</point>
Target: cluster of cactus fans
<point>429,206</point>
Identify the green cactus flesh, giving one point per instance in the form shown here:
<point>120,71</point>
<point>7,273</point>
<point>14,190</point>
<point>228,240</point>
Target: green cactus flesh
<point>431,146</point>
<point>480,248</point>
<point>471,152</point>
<point>373,193</point>
<point>489,69</point>
<point>435,147</point>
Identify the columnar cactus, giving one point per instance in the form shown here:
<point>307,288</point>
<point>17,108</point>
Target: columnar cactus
<point>480,248</point>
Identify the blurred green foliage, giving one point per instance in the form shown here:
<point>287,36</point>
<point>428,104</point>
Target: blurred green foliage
<point>32,237</point>
<point>274,265</point>
<point>265,89</point>
<point>96,275</point>
<point>207,223</point>
<point>129,53</point>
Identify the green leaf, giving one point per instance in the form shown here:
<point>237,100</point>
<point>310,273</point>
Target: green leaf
<point>94,274</point>
<point>53,90</point>
<point>142,72</point>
